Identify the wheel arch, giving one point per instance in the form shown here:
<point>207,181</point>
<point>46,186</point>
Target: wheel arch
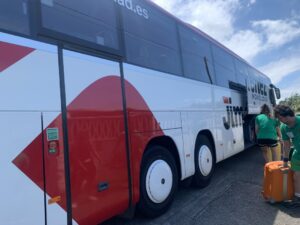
<point>210,137</point>
<point>169,144</point>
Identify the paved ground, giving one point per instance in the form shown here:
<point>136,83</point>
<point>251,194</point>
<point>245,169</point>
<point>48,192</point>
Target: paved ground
<point>232,198</point>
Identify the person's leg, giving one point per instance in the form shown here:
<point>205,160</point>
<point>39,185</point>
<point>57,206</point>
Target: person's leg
<point>276,155</point>
<point>297,183</point>
<point>265,150</point>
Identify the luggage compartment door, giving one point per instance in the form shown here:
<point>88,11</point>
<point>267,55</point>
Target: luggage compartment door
<point>21,176</point>
<point>96,137</point>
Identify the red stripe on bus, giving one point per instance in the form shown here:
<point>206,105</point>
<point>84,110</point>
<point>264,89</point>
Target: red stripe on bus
<point>11,53</point>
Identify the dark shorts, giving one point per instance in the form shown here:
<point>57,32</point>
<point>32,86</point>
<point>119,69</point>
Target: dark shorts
<point>267,142</point>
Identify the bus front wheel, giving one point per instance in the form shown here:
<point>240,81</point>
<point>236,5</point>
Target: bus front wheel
<point>158,181</point>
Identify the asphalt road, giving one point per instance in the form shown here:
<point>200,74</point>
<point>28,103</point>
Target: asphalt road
<point>232,198</point>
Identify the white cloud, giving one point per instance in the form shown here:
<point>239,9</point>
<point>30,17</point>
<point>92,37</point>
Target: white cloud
<point>216,18</point>
<point>279,69</point>
<point>293,88</point>
<point>213,17</point>
<point>167,5</point>
<point>251,2</point>
<point>288,92</point>
<point>266,35</point>
<point>245,43</point>
<point>277,32</point>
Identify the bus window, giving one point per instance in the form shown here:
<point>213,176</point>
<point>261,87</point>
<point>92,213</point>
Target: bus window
<point>211,71</point>
<point>223,58</point>
<point>224,67</point>
<point>154,30</point>
<point>224,75</point>
<point>194,49</point>
<point>150,55</point>
<point>241,72</point>
<point>14,16</point>
<point>193,42</point>
<point>194,67</point>
<point>156,27</point>
<point>84,20</point>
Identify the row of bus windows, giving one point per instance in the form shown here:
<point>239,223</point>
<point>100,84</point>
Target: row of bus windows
<point>152,38</point>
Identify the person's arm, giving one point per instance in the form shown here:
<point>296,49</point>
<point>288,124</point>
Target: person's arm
<point>286,142</point>
<point>279,134</point>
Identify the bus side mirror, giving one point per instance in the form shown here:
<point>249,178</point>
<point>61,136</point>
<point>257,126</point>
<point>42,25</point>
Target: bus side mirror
<point>272,96</point>
<point>277,92</point>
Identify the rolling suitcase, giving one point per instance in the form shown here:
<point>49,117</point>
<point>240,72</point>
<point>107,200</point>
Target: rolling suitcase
<point>278,182</point>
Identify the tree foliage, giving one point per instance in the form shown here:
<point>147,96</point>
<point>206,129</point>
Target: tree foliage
<point>293,101</point>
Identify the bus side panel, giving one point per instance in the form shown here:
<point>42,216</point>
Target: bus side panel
<point>22,200</point>
<point>229,111</point>
<point>28,68</point>
<point>96,133</point>
<point>175,103</point>
<point>158,112</point>
<point>143,127</point>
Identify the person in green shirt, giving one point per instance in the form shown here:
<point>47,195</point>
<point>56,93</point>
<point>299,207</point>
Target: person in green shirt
<point>291,135</point>
<point>267,132</point>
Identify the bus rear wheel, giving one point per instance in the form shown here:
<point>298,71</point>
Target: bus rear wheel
<point>204,162</point>
<point>158,181</point>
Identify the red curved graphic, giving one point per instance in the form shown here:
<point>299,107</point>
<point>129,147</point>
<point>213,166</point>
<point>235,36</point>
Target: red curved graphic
<point>11,53</point>
<point>96,135</point>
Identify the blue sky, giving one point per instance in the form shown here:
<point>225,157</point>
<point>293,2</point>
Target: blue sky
<point>266,33</point>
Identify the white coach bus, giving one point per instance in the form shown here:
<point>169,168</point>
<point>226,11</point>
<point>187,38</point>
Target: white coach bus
<point>107,105</point>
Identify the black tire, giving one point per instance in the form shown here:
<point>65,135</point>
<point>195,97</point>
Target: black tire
<point>186,183</point>
<point>157,163</point>
<point>204,168</point>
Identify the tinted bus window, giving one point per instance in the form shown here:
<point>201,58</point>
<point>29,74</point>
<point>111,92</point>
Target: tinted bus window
<point>254,79</point>
<point>222,57</point>
<point>194,48</point>
<point>193,42</point>
<point>241,72</point>
<point>151,55</point>
<point>210,67</point>
<point>146,27</point>
<point>14,16</point>
<point>93,21</point>
<point>155,27</point>
<point>195,68</point>
<point>224,75</point>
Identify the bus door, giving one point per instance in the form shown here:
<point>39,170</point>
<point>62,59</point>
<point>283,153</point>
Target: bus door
<point>96,137</point>
<point>29,86</point>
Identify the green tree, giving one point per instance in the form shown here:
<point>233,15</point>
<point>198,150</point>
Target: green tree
<point>293,101</point>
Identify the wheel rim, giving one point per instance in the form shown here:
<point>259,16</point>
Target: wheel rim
<point>159,181</point>
<point>205,160</point>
